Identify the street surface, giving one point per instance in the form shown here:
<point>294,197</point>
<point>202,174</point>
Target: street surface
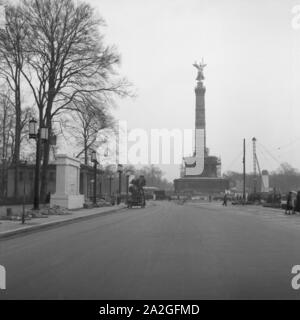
<point>165,251</point>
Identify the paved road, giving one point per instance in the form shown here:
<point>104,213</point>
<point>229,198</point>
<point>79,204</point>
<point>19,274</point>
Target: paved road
<point>166,251</point>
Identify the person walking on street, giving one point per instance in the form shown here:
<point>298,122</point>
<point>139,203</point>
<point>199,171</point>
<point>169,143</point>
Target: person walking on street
<point>289,206</point>
<point>225,200</point>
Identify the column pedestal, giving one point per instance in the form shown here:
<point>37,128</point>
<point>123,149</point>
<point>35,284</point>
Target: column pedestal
<point>67,184</point>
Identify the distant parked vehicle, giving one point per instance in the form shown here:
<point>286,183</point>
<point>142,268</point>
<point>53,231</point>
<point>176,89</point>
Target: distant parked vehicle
<point>160,194</point>
<point>173,197</point>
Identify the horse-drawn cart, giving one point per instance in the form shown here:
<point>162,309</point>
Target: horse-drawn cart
<point>136,195</point>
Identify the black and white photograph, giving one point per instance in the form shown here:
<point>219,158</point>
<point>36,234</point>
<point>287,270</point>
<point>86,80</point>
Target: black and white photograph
<point>149,151</point>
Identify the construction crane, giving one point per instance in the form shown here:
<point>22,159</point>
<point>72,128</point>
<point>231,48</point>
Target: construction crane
<point>256,163</point>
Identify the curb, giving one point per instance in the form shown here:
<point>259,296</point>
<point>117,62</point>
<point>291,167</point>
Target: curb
<point>49,225</point>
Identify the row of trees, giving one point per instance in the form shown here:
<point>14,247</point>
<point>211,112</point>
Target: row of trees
<point>284,179</point>
<point>155,177</point>
<point>55,65</point>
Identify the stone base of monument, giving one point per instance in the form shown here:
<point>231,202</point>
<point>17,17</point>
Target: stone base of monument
<point>67,183</point>
<point>200,185</point>
<point>67,201</point>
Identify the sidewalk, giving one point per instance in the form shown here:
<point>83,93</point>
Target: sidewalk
<point>11,228</point>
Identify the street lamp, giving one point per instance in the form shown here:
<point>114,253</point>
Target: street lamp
<point>100,186</point>
<point>33,129</point>
<point>39,135</point>
<point>94,159</point>
<point>120,170</point>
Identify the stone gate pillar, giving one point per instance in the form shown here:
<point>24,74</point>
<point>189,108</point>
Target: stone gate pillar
<point>67,183</point>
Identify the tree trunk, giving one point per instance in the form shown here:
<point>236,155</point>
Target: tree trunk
<point>46,156</point>
<point>48,122</point>
<point>16,153</point>
<point>4,139</point>
<point>85,156</point>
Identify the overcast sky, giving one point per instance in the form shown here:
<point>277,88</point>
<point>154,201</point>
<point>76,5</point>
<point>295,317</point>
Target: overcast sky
<point>252,74</point>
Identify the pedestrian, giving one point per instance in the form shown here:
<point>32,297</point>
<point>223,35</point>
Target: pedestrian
<point>225,200</point>
<point>288,207</point>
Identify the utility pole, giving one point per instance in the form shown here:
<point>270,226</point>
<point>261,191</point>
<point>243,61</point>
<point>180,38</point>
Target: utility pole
<point>127,186</point>
<point>244,171</point>
<point>254,166</point>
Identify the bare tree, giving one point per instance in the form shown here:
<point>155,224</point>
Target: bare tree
<point>6,125</point>
<point>154,177</point>
<point>11,64</point>
<point>66,58</point>
<point>285,178</point>
<point>90,125</point>
<point>6,136</point>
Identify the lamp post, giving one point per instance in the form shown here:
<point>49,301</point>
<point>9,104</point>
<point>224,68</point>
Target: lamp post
<point>111,194</point>
<point>120,170</point>
<point>39,135</point>
<point>100,187</point>
<point>110,184</point>
<point>24,193</point>
<point>94,159</point>
<point>32,129</point>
